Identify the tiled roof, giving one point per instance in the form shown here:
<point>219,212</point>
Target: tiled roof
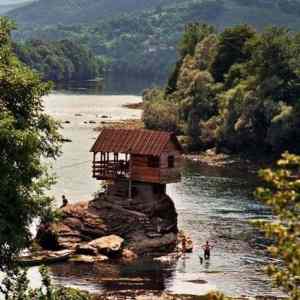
<point>134,141</point>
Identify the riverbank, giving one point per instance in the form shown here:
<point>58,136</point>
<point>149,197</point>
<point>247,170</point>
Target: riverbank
<point>221,160</point>
<point>139,105</point>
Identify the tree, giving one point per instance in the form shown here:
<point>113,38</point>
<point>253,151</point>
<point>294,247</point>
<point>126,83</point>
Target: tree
<point>231,50</point>
<point>59,60</point>
<point>27,134</point>
<point>275,58</point>
<point>282,194</point>
<point>193,34</point>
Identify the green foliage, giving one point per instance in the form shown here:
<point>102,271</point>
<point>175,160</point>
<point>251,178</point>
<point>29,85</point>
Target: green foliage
<point>140,37</point>
<point>193,34</point>
<point>45,12</point>
<point>59,61</point>
<point>160,114</point>
<point>282,194</point>
<point>231,50</point>
<point>275,53</point>
<point>242,87</point>
<point>16,287</point>
<point>27,135</point>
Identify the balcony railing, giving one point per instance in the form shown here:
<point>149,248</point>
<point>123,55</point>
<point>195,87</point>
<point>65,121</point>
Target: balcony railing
<point>110,169</point>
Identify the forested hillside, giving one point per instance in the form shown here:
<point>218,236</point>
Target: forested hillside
<point>238,90</point>
<point>45,12</point>
<point>59,61</point>
<point>6,5</point>
<point>140,37</point>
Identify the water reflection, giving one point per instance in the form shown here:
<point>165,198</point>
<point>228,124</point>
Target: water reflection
<point>143,274</point>
<point>110,85</point>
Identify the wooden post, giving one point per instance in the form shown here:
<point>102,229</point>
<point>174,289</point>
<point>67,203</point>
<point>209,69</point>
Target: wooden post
<point>94,165</point>
<point>130,179</point>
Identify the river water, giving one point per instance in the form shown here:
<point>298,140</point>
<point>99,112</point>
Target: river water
<point>213,204</point>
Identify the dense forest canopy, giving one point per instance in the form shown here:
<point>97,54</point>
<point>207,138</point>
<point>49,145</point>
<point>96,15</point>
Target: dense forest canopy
<point>142,41</point>
<point>59,60</point>
<point>238,90</point>
<point>45,12</point>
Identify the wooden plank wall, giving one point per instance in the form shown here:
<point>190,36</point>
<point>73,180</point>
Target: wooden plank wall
<point>141,171</point>
<point>170,175</point>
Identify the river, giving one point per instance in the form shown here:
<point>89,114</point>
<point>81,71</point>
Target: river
<point>212,203</point>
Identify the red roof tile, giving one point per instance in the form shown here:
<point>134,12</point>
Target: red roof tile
<point>134,141</point>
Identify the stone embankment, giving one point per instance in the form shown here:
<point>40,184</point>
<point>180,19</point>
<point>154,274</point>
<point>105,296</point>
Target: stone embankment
<point>112,226</point>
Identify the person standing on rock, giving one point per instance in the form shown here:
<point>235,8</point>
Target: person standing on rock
<point>65,201</point>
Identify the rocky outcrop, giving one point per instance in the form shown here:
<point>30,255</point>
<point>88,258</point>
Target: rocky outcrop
<point>110,245</point>
<point>110,223</point>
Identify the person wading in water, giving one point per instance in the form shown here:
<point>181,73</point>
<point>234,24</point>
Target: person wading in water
<point>206,248</point>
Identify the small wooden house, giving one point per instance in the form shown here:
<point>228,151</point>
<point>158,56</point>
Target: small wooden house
<point>137,154</point>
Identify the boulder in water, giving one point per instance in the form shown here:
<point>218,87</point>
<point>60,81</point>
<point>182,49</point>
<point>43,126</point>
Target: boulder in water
<point>110,245</point>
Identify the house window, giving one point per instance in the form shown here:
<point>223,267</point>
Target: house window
<point>171,161</point>
<point>153,161</point>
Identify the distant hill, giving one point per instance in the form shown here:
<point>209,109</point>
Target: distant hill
<point>8,5</point>
<point>5,8</point>
<point>12,2</point>
<point>140,36</point>
<point>45,12</point>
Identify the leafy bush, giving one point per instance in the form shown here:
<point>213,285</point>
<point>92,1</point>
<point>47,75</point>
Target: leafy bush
<point>161,116</point>
<point>16,286</point>
<point>282,194</point>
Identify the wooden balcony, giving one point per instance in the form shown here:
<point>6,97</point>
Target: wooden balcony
<point>110,170</point>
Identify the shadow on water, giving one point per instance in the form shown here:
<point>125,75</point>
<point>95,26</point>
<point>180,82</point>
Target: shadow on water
<point>110,85</point>
<point>142,275</point>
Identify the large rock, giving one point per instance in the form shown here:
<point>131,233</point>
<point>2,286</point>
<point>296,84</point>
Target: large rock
<point>87,249</point>
<point>147,223</point>
<point>145,245</point>
<point>110,245</point>
<point>80,223</point>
